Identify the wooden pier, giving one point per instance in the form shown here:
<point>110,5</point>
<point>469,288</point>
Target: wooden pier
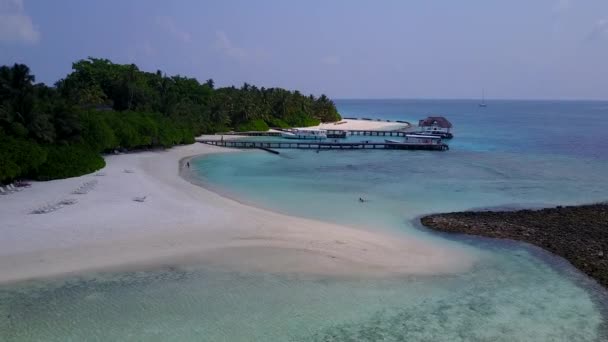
<point>253,134</point>
<point>321,145</point>
<point>398,133</point>
<point>342,133</point>
<point>369,133</point>
<point>330,132</point>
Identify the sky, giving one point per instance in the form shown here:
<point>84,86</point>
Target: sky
<point>516,49</point>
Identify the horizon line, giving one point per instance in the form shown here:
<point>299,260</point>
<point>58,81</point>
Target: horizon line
<point>467,99</point>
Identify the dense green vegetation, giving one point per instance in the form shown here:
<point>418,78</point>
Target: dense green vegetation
<point>60,131</point>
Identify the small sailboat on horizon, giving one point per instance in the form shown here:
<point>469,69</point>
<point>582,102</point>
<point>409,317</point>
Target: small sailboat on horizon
<point>483,99</point>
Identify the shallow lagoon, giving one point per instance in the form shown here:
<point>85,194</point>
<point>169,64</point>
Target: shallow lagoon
<point>512,295</point>
<point>513,292</point>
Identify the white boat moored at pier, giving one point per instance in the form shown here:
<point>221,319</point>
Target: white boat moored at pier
<point>305,133</point>
<point>417,139</point>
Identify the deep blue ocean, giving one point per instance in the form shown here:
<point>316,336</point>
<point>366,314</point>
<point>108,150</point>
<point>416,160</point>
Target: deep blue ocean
<point>508,154</point>
<point>569,128</point>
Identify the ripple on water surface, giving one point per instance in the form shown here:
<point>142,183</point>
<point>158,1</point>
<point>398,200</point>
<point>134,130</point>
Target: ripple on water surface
<point>513,293</point>
<point>510,295</point>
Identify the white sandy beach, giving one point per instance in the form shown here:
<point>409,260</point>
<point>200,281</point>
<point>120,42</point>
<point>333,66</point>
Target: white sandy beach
<point>365,125</point>
<point>355,125</point>
<point>183,223</point>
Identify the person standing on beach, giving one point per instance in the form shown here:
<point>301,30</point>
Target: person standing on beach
<point>188,164</point>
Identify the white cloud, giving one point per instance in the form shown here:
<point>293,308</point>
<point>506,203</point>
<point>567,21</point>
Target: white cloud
<point>562,5</point>
<point>600,30</point>
<point>15,24</point>
<point>168,24</point>
<point>11,6</point>
<point>331,60</point>
<point>147,49</point>
<point>140,50</point>
<point>226,46</point>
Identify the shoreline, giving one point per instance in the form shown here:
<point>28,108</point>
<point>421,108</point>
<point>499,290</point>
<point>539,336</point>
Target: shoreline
<point>578,234</point>
<point>597,291</point>
<point>184,223</point>
<point>366,125</point>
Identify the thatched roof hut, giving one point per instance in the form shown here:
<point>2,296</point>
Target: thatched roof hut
<point>435,121</point>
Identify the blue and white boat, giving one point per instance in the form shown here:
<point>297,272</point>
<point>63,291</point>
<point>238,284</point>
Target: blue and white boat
<point>305,133</point>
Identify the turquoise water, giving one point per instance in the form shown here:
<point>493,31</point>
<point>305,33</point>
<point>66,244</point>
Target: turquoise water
<point>509,154</point>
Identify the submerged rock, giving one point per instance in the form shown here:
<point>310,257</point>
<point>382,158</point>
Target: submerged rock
<point>576,233</point>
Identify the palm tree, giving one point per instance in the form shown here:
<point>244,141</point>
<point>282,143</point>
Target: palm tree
<point>21,77</point>
<point>16,87</point>
<point>210,83</point>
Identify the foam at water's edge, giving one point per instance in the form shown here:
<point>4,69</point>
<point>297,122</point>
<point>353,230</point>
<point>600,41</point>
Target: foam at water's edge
<point>597,292</point>
<point>514,292</point>
<point>337,174</point>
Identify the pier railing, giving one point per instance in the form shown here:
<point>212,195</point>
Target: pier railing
<point>321,145</point>
<point>329,132</point>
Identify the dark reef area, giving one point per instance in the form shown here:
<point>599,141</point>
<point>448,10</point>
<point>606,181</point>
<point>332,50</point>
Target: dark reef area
<point>576,233</point>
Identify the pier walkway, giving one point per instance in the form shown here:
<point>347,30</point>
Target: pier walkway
<point>321,145</point>
<point>329,132</point>
<point>370,132</point>
<point>254,133</point>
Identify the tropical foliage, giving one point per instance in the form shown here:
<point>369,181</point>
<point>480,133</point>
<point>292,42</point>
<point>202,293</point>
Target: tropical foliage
<point>55,132</point>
